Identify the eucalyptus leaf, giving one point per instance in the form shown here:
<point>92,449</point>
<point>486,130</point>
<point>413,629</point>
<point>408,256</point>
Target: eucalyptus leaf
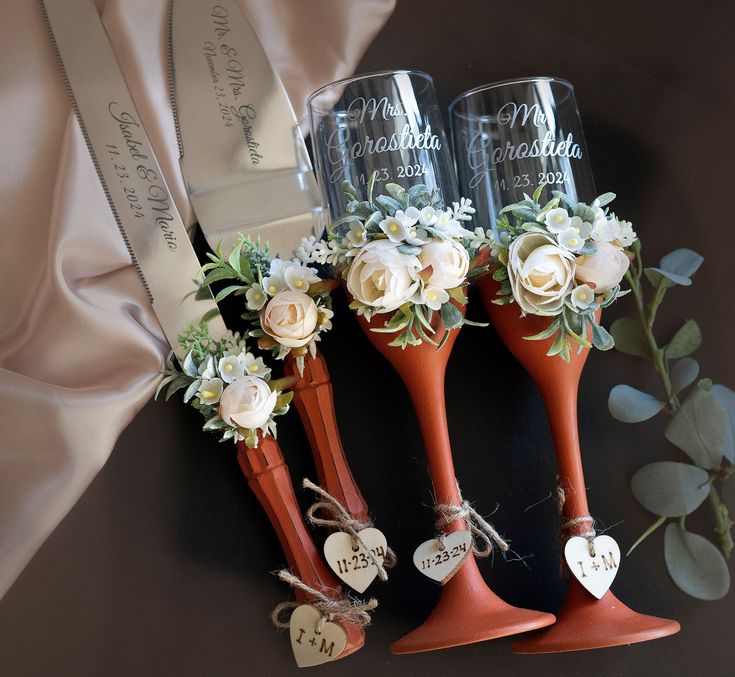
<point>451,316</point>
<point>585,213</point>
<point>630,405</point>
<point>655,275</point>
<point>629,337</point>
<point>605,199</point>
<point>684,262</point>
<point>601,339</point>
<point>684,373</point>
<point>670,489</point>
<point>396,192</point>
<point>726,399</point>
<point>685,341</point>
<point>390,205</point>
<point>190,369</point>
<point>566,199</point>
<point>700,428</point>
<point>694,564</point>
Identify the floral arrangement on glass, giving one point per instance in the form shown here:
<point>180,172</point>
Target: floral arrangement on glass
<point>287,308</point>
<point>402,253</point>
<point>566,263</point>
<point>228,385</point>
<point>701,425</point>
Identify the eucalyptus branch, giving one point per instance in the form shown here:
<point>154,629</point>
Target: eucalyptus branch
<point>647,317</point>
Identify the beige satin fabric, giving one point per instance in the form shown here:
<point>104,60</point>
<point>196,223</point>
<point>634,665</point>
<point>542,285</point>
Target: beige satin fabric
<point>79,345</point>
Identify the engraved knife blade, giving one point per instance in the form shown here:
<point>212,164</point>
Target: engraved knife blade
<point>131,177</point>
<point>242,153</point>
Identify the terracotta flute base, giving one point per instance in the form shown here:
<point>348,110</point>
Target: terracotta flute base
<point>468,611</point>
<point>268,477</point>
<point>584,621</point>
<point>314,403</point>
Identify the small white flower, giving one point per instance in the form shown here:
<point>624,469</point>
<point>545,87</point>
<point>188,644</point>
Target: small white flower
<point>397,227</point>
<point>428,216</point>
<point>627,235</point>
<point>583,297</point>
<point>210,390</point>
<point>357,235</point>
<point>256,297</point>
<point>447,224</point>
<point>570,239</point>
<point>298,278</point>
<point>325,319</point>
<point>582,227</point>
<point>393,228</point>
<point>605,230</point>
<point>230,368</point>
<point>278,266</point>
<point>206,369</point>
<point>434,297</point>
<point>253,365</point>
<point>274,284</point>
<point>411,216</point>
<point>417,236</point>
<point>557,220</point>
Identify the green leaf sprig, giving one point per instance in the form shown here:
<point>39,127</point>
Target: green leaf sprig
<point>701,425</point>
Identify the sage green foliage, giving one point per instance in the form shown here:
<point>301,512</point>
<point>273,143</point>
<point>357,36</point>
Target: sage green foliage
<point>203,354</point>
<point>571,325</point>
<point>412,322</point>
<point>701,426</point>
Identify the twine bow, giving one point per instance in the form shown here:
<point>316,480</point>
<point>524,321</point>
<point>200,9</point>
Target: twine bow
<point>484,536</point>
<point>570,527</point>
<point>343,521</point>
<point>331,609</point>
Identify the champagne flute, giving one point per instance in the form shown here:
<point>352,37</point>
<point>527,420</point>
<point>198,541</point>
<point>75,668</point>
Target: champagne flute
<point>509,138</point>
<point>388,125</point>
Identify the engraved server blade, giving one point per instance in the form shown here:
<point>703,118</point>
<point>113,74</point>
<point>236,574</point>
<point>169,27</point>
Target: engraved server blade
<point>127,168</point>
<point>242,153</point>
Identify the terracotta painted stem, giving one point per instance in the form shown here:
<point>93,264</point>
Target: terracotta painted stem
<point>314,402</point>
<point>468,611</point>
<point>422,369</point>
<point>268,477</point>
<point>560,400</point>
<point>584,621</point>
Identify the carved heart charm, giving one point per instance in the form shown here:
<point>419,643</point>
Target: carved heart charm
<point>312,645</point>
<point>596,573</point>
<point>351,563</point>
<point>438,563</point>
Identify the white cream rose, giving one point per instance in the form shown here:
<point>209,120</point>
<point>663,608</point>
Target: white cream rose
<point>381,277</point>
<point>449,263</point>
<point>291,318</point>
<point>604,269</point>
<point>540,273</point>
<point>247,403</point>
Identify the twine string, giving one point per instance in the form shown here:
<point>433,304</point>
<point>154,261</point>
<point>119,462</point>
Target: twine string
<point>343,521</point>
<point>331,609</point>
<point>571,526</point>
<point>485,537</point>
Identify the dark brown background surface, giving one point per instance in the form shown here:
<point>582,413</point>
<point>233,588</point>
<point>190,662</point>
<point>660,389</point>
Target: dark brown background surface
<point>163,566</point>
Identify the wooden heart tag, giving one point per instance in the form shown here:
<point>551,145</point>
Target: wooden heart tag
<point>350,560</point>
<point>441,561</point>
<point>314,642</point>
<point>595,572</point>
